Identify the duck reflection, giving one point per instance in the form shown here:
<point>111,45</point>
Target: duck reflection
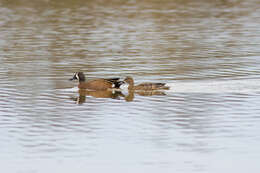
<point>131,94</point>
<point>113,94</point>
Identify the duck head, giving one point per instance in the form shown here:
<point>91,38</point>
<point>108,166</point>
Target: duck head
<point>78,76</point>
<point>129,80</point>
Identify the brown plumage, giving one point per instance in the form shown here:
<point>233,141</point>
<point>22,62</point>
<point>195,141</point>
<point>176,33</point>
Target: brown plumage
<point>96,84</point>
<point>145,86</point>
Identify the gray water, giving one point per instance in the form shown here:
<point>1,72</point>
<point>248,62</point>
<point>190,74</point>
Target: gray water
<point>206,51</point>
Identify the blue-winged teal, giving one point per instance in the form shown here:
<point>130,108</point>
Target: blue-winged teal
<point>96,84</point>
<point>145,86</point>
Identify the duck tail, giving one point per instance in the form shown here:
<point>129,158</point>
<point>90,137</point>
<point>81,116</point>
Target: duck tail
<point>161,86</point>
<point>165,87</point>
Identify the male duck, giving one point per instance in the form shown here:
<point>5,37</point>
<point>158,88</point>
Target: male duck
<point>144,86</point>
<point>96,84</point>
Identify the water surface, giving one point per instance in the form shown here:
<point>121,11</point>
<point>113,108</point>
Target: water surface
<point>207,52</point>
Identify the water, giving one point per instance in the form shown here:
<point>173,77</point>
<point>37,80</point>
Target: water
<point>206,51</point>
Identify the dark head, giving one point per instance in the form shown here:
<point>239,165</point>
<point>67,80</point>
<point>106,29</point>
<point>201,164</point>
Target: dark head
<point>129,80</point>
<point>79,76</point>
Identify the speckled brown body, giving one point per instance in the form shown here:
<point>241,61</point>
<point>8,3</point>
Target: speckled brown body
<point>145,86</point>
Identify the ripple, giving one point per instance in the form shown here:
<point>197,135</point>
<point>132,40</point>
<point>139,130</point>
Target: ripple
<point>245,86</point>
<point>207,52</point>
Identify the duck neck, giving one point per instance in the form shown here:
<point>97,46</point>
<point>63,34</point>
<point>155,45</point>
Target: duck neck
<point>81,80</point>
<point>131,85</point>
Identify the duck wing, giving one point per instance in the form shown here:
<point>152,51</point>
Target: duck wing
<point>112,80</point>
<point>115,81</point>
<point>151,86</point>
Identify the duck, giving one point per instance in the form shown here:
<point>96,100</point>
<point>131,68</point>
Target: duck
<point>98,84</point>
<point>145,86</point>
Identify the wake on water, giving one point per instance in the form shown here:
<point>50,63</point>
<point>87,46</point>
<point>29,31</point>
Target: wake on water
<point>226,86</point>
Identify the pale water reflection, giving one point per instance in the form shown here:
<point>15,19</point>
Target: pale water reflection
<point>206,51</point>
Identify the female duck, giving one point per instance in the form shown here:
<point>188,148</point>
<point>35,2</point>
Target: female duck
<point>144,86</point>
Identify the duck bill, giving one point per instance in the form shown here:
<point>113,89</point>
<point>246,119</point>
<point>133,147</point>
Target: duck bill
<point>73,78</point>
